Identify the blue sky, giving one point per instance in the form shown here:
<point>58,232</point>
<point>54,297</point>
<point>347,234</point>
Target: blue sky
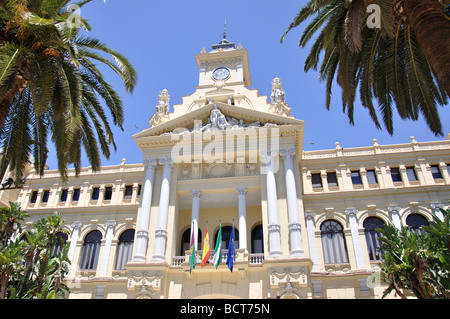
<point>161,39</point>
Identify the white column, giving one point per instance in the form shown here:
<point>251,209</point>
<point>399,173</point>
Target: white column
<point>144,217</point>
<point>312,239</point>
<point>110,224</point>
<point>272,206</point>
<point>196,194</point>
<point>242,191</point>
<point>161,228</point>
<point>295,234</point>
<point>73,240</point>
<point>355,238</point>
<point>395,216</point>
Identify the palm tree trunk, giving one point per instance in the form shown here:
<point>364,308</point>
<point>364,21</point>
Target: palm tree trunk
<point>427,18</point>
<point>20,83</point>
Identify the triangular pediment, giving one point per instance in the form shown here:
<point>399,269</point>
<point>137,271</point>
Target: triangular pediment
<point>244,116</point>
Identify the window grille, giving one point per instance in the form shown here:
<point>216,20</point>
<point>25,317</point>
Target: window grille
<point>372,237</point>
<point>124,249</point>
<point>91,250</point>
<point>333,243</point>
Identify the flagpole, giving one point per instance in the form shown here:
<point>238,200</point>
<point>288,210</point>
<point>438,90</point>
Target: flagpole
<point>217,257</point>
<point>206,248</point>
<point>193,256</point>
<point>230,256</point>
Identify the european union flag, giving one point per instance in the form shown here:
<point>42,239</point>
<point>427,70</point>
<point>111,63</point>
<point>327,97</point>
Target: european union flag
<point>230,256</point>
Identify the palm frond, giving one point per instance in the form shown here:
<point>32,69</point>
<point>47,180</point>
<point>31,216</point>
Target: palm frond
<point>18,138</point>
<point>124,68</point>
<point>9,61</point>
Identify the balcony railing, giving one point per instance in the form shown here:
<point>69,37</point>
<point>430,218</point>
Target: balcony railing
<point>253,259</point>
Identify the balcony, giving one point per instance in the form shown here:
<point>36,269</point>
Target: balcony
<point>252,259</point>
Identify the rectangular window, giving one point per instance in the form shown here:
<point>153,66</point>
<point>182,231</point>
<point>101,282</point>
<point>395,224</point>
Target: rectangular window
<point>435,171</point>
<point>95,193</point>
<point>139,190</point>
<point>356,178</point>
<point>108,193</point>
<point>76,194</point>
<point>34,196</point>
<point>448,169</point>
<point>411,173</point>
<point>128,191</point>
<point>63,197</point>
<point>332,179</point>
<point>316,180</point>
<point>371,176</point>
<point>395,174</point>
<point>45,196</point>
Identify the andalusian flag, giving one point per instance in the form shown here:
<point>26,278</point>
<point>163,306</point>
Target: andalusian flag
<point>206,249</point>
<point>218,250</point>
<point>192,257</point>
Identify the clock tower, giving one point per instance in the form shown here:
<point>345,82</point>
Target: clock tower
<point>224,65</point>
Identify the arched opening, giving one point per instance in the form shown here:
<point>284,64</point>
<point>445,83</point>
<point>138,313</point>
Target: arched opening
<point>226,234</point>
<point>371,224</point>
<point>186,241</point>
<point>333,243</point>
<point>257,240</point>
<point>416,221</point>
<point>91,250</point>
<point>124,249</point>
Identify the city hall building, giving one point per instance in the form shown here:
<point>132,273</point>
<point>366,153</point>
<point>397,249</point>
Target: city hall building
<point>304,221</point>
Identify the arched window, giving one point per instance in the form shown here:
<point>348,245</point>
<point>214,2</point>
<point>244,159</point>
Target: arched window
<point>91,250</point>
<point>186,241</point>
<point>416,221</point>
<point>60,243</point>
<point>372,236</point>
<point>124,249</point>
<point>257,240</point>
<point>333,243</point>
<point>226,234</point>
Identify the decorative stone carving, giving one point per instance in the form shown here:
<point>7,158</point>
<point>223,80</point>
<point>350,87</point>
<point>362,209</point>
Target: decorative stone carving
<point>310,215</point>
<point>150,162</point>
<point>161,110</point>
<point>219,170</point>
<point>287,152</point>
<point>143,284</point>
<point>219,122</point>
<point>167,161</point>
<point>278,103</point>
<point>289,281</point>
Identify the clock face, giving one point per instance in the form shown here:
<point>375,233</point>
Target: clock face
<point>221,73</point>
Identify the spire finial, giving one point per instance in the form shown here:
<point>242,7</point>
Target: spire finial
<point>225,29</point>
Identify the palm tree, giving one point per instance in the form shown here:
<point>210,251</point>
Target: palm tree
<point>30,266</point>
<point>395,63</point>
<point>417,261</point>
<point>50,86</point>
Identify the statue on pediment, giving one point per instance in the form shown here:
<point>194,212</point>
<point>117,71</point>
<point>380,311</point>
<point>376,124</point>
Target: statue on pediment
<point>278,103</point>
<point>163,102</point>
<point>217,121</point>
<point>162,109</point>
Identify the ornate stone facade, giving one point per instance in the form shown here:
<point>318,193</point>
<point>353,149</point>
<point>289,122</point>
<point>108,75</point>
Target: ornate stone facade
<point>218,158</point>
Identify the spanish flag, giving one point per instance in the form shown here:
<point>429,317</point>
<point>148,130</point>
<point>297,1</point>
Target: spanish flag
<point>206,249</point>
